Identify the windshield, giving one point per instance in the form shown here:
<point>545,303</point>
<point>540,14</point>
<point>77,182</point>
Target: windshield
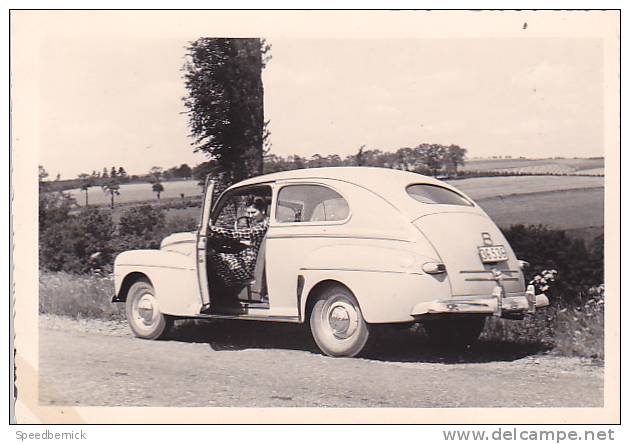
<point>434,194</point>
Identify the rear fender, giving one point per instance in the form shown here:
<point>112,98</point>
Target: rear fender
<point>377,256</point>
<point>384,297</point>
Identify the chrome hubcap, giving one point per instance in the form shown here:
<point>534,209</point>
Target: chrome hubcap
<point>146,310</point>
<point>342,319</point>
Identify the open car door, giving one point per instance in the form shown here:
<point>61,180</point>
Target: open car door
<point>202,245</point>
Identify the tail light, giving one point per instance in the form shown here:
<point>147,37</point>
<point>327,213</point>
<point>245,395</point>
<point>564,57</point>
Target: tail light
<point>434,267</point>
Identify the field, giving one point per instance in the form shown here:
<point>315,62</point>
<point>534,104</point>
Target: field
<point>569,210</point>
<point>575,204</point>
<point>538,166</point>
<point>138,192</point>
<point>480,188</point>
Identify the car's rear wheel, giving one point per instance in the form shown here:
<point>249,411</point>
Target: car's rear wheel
<point>337,324</point>
<point>454,333</point>
<point>143,312</point>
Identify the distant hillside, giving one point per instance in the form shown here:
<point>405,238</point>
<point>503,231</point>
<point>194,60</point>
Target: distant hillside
<point>590,166</point>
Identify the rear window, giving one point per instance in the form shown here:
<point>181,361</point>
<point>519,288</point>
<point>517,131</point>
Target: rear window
<point>434,194</point>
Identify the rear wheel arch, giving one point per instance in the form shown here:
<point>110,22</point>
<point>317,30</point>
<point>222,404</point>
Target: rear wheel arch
<point>318,289</point>
<point>128,281</point>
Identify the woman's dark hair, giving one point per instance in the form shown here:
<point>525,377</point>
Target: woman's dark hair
<point>260,204</point>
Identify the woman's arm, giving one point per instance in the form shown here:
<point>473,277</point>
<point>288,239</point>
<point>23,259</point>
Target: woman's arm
<point>253,233</point>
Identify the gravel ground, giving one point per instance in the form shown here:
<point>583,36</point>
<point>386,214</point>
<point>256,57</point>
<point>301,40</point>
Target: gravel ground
<point>254,364</point>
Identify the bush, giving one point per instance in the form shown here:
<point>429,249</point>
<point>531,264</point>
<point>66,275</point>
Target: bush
<point>143,220</point>
<point>79,241</point>
<point>139,228</point>
<point>180,223</point>
<point>579,266</point>
<point>73,242</point>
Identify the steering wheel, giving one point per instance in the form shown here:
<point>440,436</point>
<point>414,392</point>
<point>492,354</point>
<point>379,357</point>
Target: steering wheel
<point>239,222</point>
<point>227,245</point>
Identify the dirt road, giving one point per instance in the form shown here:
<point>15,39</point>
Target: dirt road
<point>249,364</point>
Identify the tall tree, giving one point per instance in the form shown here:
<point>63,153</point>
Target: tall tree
<point>360,156</point>
<point>113,189</point>
<point>454,156</point>
<point>184,171</point>
<point>432,155</point>
<point>158,188</point>
<point>225,102</point>
<point>405,159</point>
<point>43,174</point>
<point>155,173</point>
<point>86,183</point>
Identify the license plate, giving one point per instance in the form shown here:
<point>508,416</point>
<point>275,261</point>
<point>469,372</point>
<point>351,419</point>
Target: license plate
<point>495,253</point>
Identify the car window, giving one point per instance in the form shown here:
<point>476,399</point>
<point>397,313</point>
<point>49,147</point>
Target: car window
<point>331,209</point>
<point>234,205</point>
<point>229,212</point>
<point>434,194</point>
<point>310,203</point>
<point>289,211</point>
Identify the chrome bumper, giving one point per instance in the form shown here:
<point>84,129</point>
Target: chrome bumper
<point>493,305</point>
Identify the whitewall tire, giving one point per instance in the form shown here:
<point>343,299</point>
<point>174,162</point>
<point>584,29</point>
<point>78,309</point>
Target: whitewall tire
<point>143,312</point>
<point>337,324</point>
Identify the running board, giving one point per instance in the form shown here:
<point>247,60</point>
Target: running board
<point>255,305</point>
<point>248,317</point>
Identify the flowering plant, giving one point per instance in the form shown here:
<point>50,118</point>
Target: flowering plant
<point>595,298</point>
<point>544,280</point>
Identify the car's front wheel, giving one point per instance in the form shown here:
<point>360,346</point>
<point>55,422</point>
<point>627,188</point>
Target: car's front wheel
<point>454,333</point>
<point>143,312</point>
<point>337,324</point>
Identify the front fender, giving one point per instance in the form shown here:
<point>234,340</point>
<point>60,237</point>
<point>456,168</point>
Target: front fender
<point>160,258</point>
<point>173,276</point>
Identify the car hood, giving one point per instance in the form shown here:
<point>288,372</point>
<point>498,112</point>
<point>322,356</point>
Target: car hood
<point>180,242</point>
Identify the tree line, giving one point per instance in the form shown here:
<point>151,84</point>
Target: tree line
<point>425,158</point>
<point>433,159</point>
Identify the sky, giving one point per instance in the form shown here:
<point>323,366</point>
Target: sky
<point>117,102</point>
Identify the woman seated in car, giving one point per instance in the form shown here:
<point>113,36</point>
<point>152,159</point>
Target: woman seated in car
<point>238,267</point>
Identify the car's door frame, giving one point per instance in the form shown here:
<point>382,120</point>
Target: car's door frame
<point>209,211</point>
<point>202,245</point>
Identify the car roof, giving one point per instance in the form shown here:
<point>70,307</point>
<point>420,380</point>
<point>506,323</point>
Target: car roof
<point>390,184</point>
<point>367,177</point>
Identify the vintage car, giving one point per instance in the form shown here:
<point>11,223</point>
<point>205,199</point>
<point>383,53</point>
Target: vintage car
<point>346,248</point>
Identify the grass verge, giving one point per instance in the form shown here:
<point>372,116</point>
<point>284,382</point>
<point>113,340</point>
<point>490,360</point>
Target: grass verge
<point>78,296</point>
<point>568,331</point>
